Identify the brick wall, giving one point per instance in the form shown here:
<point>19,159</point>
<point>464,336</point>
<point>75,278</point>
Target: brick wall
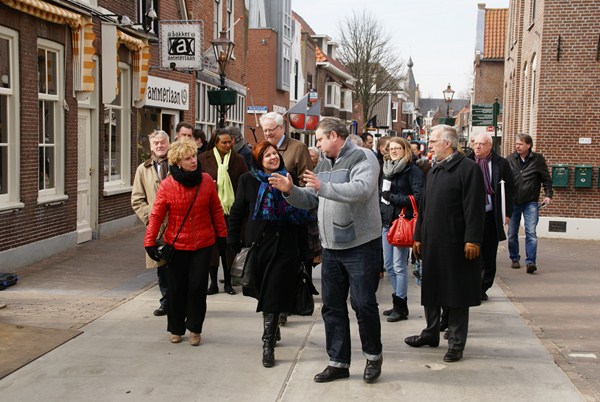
<point>488,82</point>
<point>262,73</point>
<point>567,96</point>
<point>36,222</point>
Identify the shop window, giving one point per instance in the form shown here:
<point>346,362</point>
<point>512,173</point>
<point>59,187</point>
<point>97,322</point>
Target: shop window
<point>117,137</point>
<point>51,166</point>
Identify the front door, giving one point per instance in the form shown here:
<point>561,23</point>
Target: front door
<point>84,175</point>
<point>168,121</point>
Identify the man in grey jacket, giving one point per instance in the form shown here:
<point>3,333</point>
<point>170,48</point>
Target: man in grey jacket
<point>344,187</point>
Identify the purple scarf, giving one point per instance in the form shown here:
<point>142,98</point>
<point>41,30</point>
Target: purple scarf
<point>487,180</point>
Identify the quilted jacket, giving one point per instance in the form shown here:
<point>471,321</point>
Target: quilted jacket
<point>204,224</point>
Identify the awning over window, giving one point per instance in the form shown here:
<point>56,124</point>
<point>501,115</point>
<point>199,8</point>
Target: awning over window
<point>81,31</point>
<point>141,62</point>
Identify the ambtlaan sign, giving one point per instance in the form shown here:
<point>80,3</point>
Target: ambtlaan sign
<point>166,94</point>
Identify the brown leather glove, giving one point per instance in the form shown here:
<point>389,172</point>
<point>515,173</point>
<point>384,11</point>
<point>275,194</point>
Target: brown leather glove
<point>471,251</point>
<point>417,249</point>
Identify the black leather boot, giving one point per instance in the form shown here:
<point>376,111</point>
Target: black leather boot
<point>398,313</point>
<point>389,312</point>
<point>270,324</point>
<point>404,307</point>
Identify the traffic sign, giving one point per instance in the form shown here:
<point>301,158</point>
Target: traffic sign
<point>482,115</point>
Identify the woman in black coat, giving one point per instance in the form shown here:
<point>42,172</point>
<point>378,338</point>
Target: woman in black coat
<point>279,232</point>
<point>401,178</point>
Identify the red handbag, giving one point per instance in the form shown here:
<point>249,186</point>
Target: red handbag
<point>402,229</point>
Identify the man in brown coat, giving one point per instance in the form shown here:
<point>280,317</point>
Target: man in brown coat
<point>145,185</point>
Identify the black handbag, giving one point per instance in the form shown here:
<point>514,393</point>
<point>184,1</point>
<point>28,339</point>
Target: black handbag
<point>166,251</point>
<point>243,266</point>
<point>305,303</point>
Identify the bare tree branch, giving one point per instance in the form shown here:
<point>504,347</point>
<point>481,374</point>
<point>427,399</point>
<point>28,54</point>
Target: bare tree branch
<point>367,51</point>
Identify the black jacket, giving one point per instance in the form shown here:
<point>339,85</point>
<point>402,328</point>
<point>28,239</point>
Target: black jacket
<point>530,177</point>
<point>500,171</point>
<point>408,182</point>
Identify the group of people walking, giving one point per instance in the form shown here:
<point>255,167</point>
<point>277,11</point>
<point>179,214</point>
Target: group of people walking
<point>208,206</point>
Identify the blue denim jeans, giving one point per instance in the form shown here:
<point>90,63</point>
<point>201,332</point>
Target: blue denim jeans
<point>531,218</point>
<point>395,262</point>
<point>354,270</point>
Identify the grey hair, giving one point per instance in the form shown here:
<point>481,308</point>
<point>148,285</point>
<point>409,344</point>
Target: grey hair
<point>158,134</point>
<point>448,133</point>
<point>235,133</point>
<point>276,117</point>
<point>330,124</point>
<point>317,150</point>
<point>486,135</point>
<point>356,139</point>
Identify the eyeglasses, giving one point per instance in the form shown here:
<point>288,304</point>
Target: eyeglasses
<point>270,130</point>
<point>395,149</point>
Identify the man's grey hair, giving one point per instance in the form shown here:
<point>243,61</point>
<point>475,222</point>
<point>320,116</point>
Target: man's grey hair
<point>485,135</point>
<point>330,124</point>
<point>276,117</point>
<point>158,134</point>
<point>448,133</point>
<point>356,139</point>
<point>235,133</point>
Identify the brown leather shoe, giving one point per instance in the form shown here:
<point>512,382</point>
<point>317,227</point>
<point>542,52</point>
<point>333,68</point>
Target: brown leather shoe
<point>195,338</point>
<point>175,338</point>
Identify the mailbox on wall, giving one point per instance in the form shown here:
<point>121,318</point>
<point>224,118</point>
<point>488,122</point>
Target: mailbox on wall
<point>560,175</point>
<point>583,176</point>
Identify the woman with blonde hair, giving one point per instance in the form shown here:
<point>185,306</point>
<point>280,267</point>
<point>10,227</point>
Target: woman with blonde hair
<point>400,178</point>
<point>195,224</point>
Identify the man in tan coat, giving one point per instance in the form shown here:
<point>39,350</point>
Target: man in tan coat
<point>145,185</point>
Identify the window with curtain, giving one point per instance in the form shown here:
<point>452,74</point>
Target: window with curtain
<point>50,57</point>
<point>116,135</point>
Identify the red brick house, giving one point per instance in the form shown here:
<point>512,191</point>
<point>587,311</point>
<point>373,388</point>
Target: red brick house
<point>551,75</point>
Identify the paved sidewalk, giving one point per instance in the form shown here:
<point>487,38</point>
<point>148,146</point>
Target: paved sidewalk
<point>125,355</point>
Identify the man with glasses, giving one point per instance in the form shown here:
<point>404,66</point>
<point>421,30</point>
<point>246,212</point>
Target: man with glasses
<point>495,169</point>
<point>448,238</point>
<point>295,153</point>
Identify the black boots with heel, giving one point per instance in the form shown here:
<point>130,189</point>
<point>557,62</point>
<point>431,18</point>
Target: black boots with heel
<point>400,310</point>
<point>271,325</point>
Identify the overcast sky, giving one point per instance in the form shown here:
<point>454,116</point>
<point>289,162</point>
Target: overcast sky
<point>439,35</point>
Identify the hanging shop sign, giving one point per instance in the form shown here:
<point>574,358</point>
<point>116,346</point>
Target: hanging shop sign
<point>166,94</point>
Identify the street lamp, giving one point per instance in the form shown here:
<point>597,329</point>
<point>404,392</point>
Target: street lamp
<point>448,95</point>
<point>223,98</point>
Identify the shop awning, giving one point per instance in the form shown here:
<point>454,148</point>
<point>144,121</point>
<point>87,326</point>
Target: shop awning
<point>141,62</point>
<point>81,31</point>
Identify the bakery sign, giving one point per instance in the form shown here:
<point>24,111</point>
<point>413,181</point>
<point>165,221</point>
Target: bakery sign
<point>166,94</point>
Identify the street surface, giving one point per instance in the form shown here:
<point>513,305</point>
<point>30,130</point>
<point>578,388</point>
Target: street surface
<point>534,340</point>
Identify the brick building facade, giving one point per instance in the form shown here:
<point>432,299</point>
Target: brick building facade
<point>551,91</point>
<point>76,110</point>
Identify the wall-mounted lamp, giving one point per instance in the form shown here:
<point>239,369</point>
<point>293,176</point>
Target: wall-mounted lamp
<point>263,42</point>
<point>147,21</point>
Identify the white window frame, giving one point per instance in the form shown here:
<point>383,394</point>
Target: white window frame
<point>332,100</point>
<point>394,110</point>
<point>532,88</point>
<point>57,192</point>
<point>206,114</point>
<point>120,184</point>
<point>524,99</point>
<point>141,12</point>
<point>218,18</point>
<point>347,95</point>
<point>286,64</point>
<point>10,200</point>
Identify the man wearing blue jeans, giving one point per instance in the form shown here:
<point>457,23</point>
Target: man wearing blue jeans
<point>530,172</point>
<point>344,187</point>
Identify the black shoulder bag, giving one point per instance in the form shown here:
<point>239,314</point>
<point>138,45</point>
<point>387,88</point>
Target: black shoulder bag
<point>167,250</point>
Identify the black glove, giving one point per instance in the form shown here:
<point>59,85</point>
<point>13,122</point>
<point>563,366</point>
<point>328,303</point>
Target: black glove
<point>221,243</point>
<point>385,195</point>
<point>235,247</point>
<point>153,253</point>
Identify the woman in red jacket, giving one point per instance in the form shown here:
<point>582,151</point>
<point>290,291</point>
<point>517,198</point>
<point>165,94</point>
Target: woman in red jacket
<point>186,189</point>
